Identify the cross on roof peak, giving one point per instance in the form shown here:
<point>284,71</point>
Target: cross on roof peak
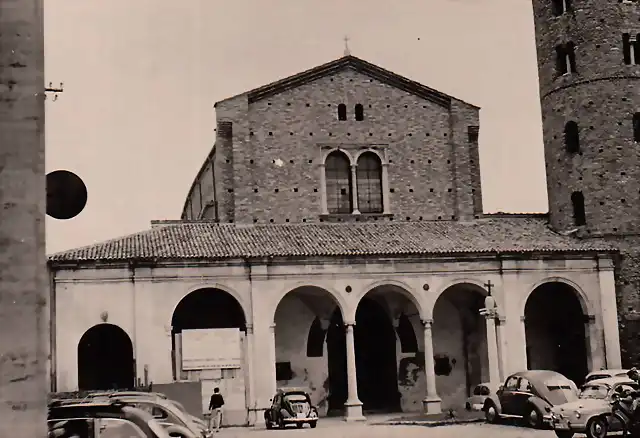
<point>489,285</point>
<point>347,52</point>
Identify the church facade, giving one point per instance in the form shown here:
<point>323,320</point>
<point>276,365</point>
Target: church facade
<point>335,239</point>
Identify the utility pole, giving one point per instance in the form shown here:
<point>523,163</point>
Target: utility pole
<point>24,290</point>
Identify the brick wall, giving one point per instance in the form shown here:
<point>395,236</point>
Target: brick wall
<point>601,97</point>
<point>433,159</point>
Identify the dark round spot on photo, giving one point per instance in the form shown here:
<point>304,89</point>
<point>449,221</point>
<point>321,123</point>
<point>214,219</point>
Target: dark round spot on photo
<point>66,194</point>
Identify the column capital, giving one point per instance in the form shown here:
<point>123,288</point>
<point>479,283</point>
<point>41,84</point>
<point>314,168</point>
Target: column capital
<point>249,329</point>
<point>272,327</point>
<point>427,323</point>
<point>321,164</point>
<point>349,324</point>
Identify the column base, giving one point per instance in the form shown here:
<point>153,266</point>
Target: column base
<point>432,405</point>
<point>353,411</point>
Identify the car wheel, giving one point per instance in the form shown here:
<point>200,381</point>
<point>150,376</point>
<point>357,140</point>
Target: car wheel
<point>491,413</point>
<point>313,424</point>
<point>467,406</point>
<point>533,418</point>
<point>597,428</point>
<point>280,423</point>
<point>564,433</point>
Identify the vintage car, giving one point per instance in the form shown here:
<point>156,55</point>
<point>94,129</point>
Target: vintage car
<point>586,414</point>
<point>166,413</point>
<point>95,420</point>
<point>603,374</point>
<point>291,406</point>
<point>530,395</point>
<point>479,395</point>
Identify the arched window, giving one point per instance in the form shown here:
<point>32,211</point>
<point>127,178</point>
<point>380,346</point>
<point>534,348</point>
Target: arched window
<point>342,112</point>
<point>636,127</point>
<point>579,216</point>
<point>359,112</point>
<point>560,6</point>
<point>369,177</point>
<point>572,137</point>
<point>566,58</point>
<point>338,180</point>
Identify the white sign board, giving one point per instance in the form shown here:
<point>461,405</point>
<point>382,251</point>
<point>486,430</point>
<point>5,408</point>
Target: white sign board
<point>211,349</point>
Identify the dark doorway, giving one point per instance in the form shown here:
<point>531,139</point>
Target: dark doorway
<point>206,309</point>
<point>376,363</point>
<point>105,359</point>
<point>555,331</point>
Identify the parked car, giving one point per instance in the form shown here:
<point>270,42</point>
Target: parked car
<point>166,413</point>
<point>530,395</point>
<point>152,395</point>
<point>479,395</point>
<point>587,414</point>
<point>603,374</point>
<point>291,406</point>
<point>96,420</point>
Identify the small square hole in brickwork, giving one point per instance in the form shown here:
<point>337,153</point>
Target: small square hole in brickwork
<point>350,80</point>
<point>623,201</point>
<point>408,218</point>
<point>597,46</point>
<point>276,190</point>
<point>370,80</point>
<point>230,221</point>
<point>370,134</point>
<point>427,134</point>
<point>308,104</point>
<point>227,161</point>
<point>369,105</point>
<point>439,217</point>
<point>424,106</point>
<point>412,161</point>
<point>477,217</point>
<point>343,192</point>
<point>392,190</point>
<point>390,161</point>
<point>331,79</point>
<point>288,103</point>
<point>329,105</point>
<point>310,161</point>
<point>406,106</point>
<point>619,148</point>
<point>286,220</point>
<point>624,99</point>
<point>445,134</point>
<point>388,106</point>
<point>600,150</point>
<point>270,133</point>
<point>271,220</point>
<point>420,218</point>
<point>339,220</point>
<point>290,133</point>
<point>230,190</point>
<point>623,173</point>
<point>390,219</point>
<point>250,161</point>
<point>471,162</point>
<point>431,190</point>
<point>473,190</point>
<point>357,219</point>
<point>291,161</point>
<point>453,217</point>
<point>269,103</point>
<point>429,161</point>
<point>449,190</point>
<point>348,134</point>
<point>591,128</point>
<point>214,129</point>
<point>410,190</point>
<point>315,190</point>
<point>615,229</point>
<point>410,134</point>
<point>311,133</point>
<point>579,178</point>
<point>255,190</point>
<point>330,134</point>
<point>295,189</point>
<point>250,133</point>
<point>601,202</point>
<point>389,135</point>
<point>375,218</point>
<point>255,220</point>
<point>448,161</point>
<point>321,220</point>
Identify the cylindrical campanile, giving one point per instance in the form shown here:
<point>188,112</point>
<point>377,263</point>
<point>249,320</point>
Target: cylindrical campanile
<point>589,70</point>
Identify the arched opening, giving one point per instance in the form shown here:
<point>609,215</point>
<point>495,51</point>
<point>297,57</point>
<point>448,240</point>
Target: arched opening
<point>572,137</point>
<point>376,361</point>
<point>207,308</point>
<point>301,322</point>
<point>636,125</point>
<point>579,214</point>
<point>359,112</point>
<point>105,359</point>
<point>459,343</point>
<point>369,178</point>
<point>555,331</point>
<point>342,112</point>
<point>338,181</point>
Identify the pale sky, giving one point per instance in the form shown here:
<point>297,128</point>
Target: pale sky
<point>136,118</point>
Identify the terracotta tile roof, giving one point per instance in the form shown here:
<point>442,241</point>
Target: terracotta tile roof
<point>208,240</point>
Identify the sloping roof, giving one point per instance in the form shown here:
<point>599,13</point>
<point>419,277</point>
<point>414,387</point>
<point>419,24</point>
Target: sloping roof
<point>354,63</point>
<point>208,240</point>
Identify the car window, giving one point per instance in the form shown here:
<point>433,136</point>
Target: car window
<point>594,391</point>
<point>625,387</point>
<point>511,383</point>
<point>597,376</point>
<point>118,428</point>
<point>73,428</point>
<point>276,400</point>
<point>524,385</point>
<point>477,390</point>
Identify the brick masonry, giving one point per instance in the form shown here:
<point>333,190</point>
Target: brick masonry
<point>601,96</point>
<point>433,159</point>
<point>23,275</point>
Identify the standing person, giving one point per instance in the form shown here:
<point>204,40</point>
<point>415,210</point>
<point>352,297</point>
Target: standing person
<point>215,408</point>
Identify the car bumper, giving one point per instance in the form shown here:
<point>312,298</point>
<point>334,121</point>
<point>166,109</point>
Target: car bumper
<point>293,420</point>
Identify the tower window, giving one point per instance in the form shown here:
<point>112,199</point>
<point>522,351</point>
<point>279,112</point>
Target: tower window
<point>342,112</point>
<point>631,48</point>
<point>572,137</point>
<point>566,58</point>
<point>636,127</point>
<point>359,112</point>
<point>560,7</point>
<point>579,216</point>
<point>338,181</point>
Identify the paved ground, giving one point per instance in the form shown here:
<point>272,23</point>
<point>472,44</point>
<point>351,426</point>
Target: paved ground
<point>335,428</point>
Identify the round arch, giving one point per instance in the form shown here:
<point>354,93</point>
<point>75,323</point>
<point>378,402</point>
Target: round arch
<point>458,282</point>
<point>400,287</point>
<point>344,151</point>
<point>214,286</point>
<point>369,150</point>
<point>335,295</point>
<point>208,307</point>
<point>581,296</point>
<point>105,359</point>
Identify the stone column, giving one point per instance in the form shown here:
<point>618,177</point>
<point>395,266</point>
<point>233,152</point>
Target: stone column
<point>492,349</point>
<point>595,358</point>
<point>272,360</point>
<point>431,403</point>
<point>323,189</point>
<point>354,188</point>
<point>353,405</point>
<point>385,188</point>
<point>502,347</point>
<point>252,404</point>
<point>608,309</point>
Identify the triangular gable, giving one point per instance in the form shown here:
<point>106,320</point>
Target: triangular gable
<point>359,65</point>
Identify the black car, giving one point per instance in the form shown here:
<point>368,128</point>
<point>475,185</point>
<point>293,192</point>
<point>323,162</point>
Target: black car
<point>83,419</point>
<point>530,395</point>
<point>291,406</point>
